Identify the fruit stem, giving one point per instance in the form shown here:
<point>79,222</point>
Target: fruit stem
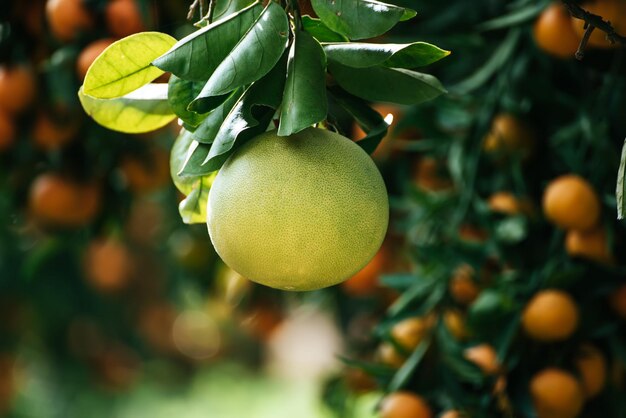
<point>580,52</point>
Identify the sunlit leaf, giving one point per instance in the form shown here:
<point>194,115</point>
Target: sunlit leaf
<point>362,55</point>
<point>360,19</point>
<point>178,156</point>
<point>304,100</point>
<point>126,65</point>
<point>197,55</point>
<point>193,208</point>
<point>143,110</point>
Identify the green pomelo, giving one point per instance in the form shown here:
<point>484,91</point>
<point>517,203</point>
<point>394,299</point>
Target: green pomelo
<point>298,213</point>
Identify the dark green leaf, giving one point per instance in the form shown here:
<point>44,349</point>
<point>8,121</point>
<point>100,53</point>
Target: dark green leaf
<point>320,31</point>
<point>515,17</point>
<point>360,19</point>
<point>254,56</point>
<point>208,129</point>
<point>195,57</point>
<point>408,368</point>
<point>224,8</point>
<point>196,156</point>
<point>304,100</point>
<point>180,93</point>
<point>382,84</point>
<point>363,55</point>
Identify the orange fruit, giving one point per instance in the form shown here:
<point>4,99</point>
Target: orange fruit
<point>472,234</point>
<point>148,174</point>
<point>590,244</point>
<point>556,394</point>
<point>617,301</point>
<point>429,175</point>
<point>155,324</point>
<point>50,134</point>
<point>57,201</point>
<point>359,381</point>
<point>613,11</point>
<point>404,405</point>
<point>551,315</point>
<point>388,354</point>
<point>261,321</point>
<point>365,282</point>
<point>592,367</point>
<point>454,320</point>
<point>410,332</point>
<point>485,357</point>
<point>118,367</point>
<point>570,202</point>
<point>554,33</point>
<point>462,287</point>
<point>507,203</point>
<point>123,18</point>
<point>17,88</point>
<point>108,264</point>
<point>7,131</point>
<point>509,135</point>
<point>89,54</point>
<point>450,414</point>
<point>68,18</point>
<point>392,115</point>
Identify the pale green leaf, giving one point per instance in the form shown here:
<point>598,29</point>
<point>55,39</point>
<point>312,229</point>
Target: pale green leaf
<point>193,208</point>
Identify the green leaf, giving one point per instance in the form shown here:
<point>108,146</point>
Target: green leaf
<point>515,17</point>
<point>362,55</point>
<point>197,154</point>
<point>126,65</point>
<point>196,56</point>
<point>193,208</point>
<point>619,192</point>
<point>407,370</point>
<point>178,157</point>
<point>382,84</point>
<point>372,123</point>
<point>224,8</point>
<point>304,100</point>
<point>254,56</point>
<point>143,110</point>
<point>320,31</point>
<point>179,94</point>
<point>360,19</point>
<point>209,128</point>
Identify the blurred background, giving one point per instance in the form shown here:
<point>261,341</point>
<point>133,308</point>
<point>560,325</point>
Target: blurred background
<point>111,306</point>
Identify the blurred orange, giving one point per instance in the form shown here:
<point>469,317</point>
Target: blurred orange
<point>570,202</point>
<point>462,287</point>
<point>123,18</point>
<point>554,33</point>
<point>590,244</point>
<point>58,201</point>
<point>68,18</point>
<point>618,301</point>
<point>556,394</point>
<point>117,367</point>
<point>551,315</point>
<point>261,321</point>
<point>50,134</point>
<point>108,264</point>
<point>7,131</point>
<point>17,88</point>
<point>455,322</point>
<point>509,135</point>
<point>430,175</point>
<point>613,11</point>
<point>365,282</point>
<point>404,405</point>
<point>485,357</point>
<point>89,54</point>
<point>508,204</point>
<point>592,367</point>
<point>155,323</point>
<point>385,147</point>
<point>145,175</point>
<point>359,381</point>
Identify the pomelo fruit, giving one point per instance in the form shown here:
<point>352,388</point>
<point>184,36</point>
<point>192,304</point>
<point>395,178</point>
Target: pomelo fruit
<point>301,212</point>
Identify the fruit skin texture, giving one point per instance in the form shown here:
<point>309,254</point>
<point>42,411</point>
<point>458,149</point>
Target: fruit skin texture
<point>554,33</point>
<point>556,394</point>
<point>551,315</point>
<point>89,54</point>
<point>591,245</point>
<point>570,202</point>
<point>592,367</point>
<point>612,10</point>
<point>123,18</point>
<point>17,88</point>
<point>404,405</point>
<point>298,213</point>
<point>67,18</point>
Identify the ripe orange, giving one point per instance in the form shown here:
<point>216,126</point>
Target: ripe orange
<point>261,321</point>
<point>68,18</point>
<point>570,202</point>
<point>108,264</point>
<point>485,357</point>
<point>359,381</point>
<point>472,234</point>
<point>123,18</point>
<point>429,175</point>
<point>450,414</point>
<point>509,135</point>
<point>592,367</point>
<point>57,201</point>
<point>508,204</point>
<point>17,88</point>
<point>50,134</point>
<point>590,244</point>
<point>281,210</point>
<point>365,281</point>
<point>145,175</point>
<point>404,405</point>
<point>89,54</point>
<point>556,394</point>
<point>554,33</point>
<point>617,301</point>
<point>454,320</point>
<point>462,287</point>
<point>613,11</point>
<point>388,354</point>
<point>7,131</point>
<point>551,315</point>
<point>410,332</point>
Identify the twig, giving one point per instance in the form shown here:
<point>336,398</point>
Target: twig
<point>592,22</point>
<point>194,6</point>
<point>209,15</point>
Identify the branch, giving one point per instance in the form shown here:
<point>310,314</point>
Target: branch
<point>592,22</point>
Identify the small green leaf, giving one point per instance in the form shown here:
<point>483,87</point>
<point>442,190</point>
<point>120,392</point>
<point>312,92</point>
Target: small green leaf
<point>126,65</point>
<point>619,192</point>
<point>362,55</point>
<point>193,208</point>
<point>209,128</point>
<point>382,84</point>
<point>143,110</point>
<point>178,157</point>
<point>360,19</point>
<point>196,56</point>
<point>320,31</point>
<point>254,56</point>
<point>304,100</point>
<point>197,154</point>
<point>407,370</point>
<point>179,94</point>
